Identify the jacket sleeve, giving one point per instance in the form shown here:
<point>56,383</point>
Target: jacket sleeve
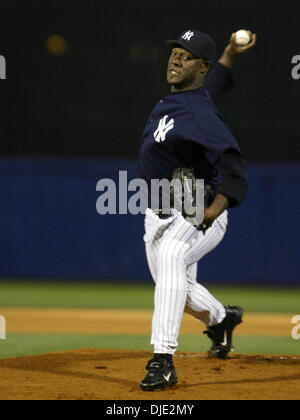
<point>234,178</point>
<point>218,81</point>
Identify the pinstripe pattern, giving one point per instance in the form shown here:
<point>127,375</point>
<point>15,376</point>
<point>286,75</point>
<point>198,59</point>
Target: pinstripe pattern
<point>173,250</point>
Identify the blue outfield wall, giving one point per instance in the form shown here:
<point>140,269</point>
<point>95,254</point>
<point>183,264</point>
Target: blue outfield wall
<point>49,227</point>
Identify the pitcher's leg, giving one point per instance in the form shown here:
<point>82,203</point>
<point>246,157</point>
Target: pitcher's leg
<point>171,287</point>
<point>155,230</point>
<point>204,306</point>
<point>152,248</point>
<point>206,242</point>
<point>200,302</point>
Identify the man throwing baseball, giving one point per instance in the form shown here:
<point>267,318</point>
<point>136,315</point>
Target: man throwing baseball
<point>185,130</point>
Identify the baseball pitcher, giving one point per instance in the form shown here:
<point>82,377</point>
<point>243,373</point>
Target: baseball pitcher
<point>186,135</point>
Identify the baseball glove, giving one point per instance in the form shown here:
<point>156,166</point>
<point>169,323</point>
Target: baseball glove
<point>187,179</point>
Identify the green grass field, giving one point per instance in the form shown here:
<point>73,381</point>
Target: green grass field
<point>62,295</point>
<point>29,344</point>
<point>43,295</point>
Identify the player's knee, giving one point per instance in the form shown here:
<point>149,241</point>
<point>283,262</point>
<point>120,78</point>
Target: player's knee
<point>170,253</point>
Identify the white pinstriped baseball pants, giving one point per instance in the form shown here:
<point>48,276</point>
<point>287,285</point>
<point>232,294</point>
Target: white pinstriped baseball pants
<point>173,248</point>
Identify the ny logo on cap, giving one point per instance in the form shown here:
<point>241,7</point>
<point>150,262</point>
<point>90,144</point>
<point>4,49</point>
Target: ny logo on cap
<point>188,35</point>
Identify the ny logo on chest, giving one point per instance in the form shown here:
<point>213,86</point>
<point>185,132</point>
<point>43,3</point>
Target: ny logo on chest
<point>163,128</point>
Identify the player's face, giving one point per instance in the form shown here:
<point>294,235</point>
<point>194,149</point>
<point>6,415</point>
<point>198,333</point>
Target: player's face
<point>185,71</point>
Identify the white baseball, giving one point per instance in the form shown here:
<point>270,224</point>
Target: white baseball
<point>242,37</point>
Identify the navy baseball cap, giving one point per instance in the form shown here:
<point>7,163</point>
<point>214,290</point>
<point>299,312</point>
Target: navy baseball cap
<point>198,43</point>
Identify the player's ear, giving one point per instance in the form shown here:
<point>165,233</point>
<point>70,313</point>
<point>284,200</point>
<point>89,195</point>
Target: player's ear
<point>205,66</point>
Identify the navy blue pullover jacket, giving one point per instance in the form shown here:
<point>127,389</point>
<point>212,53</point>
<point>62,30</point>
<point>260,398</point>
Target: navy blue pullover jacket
<point>185,129</point>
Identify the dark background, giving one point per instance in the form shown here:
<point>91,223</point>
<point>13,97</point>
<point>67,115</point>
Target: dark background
<point>68,120</point>
<point>94,99</point>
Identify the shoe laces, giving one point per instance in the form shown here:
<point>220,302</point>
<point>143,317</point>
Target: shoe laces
<point>157,365</point>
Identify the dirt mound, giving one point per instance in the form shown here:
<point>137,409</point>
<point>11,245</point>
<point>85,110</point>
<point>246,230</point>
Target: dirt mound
<point>115,375</point>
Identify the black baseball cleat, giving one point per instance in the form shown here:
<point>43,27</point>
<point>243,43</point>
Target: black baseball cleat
<point>221,334</point>
<point>161,375</point>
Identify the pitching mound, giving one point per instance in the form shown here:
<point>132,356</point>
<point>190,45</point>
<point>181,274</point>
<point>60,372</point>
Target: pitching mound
<point>115,375</point>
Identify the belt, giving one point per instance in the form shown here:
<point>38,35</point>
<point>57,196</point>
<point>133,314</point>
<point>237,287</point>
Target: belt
<point>209,196</point>
<point>163,213</point>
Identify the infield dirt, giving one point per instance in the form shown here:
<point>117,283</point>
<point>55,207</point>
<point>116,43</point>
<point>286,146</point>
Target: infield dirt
<point>95,321</point>
<point>115,375</point>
